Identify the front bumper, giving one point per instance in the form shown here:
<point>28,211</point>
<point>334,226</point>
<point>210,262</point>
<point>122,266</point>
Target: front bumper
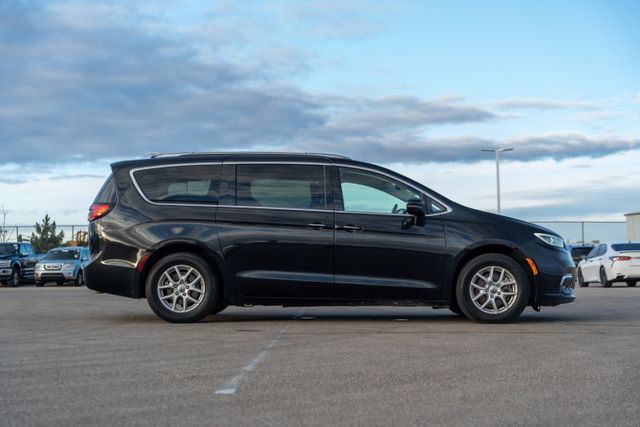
<point>5,273</point>
<point>54,276</point>
<point>556,290</point>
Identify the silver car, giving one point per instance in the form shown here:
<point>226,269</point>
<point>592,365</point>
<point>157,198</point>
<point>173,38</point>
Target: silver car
<point>62,265</point>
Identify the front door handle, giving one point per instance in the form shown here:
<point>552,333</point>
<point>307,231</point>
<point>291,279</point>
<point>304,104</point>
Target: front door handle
<point>349,227</point>
<point>319,226</point>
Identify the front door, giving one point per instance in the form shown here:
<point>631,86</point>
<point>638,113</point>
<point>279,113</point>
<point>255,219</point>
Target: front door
<point>381,252</point>
<point>276,230</point>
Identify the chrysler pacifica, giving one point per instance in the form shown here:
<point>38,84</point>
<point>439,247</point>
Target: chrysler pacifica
<point>196,232</point>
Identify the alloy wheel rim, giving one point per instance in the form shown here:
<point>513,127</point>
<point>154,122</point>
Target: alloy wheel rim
<point>493,290</point>
<point>15,278</point>
<point>181,288</point>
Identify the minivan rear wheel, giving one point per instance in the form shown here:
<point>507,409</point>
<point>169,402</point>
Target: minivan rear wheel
<point>492,288</point>
<point>181,288</point>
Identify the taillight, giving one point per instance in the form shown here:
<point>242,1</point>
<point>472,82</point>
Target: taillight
<point>620,258</point>
<point>98,210</point>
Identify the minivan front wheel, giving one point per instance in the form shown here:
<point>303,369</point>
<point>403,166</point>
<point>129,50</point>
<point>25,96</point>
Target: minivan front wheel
<point>492,288</point>
<point>181,288</point>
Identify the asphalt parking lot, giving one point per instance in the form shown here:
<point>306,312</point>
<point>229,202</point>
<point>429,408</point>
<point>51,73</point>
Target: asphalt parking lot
<point>69,356</point>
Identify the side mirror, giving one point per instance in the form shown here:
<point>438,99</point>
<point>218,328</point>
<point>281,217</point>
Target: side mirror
<point>416,208</point>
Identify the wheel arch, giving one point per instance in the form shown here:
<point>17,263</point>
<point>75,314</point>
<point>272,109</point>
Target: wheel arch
<point>167,248</point>
<point>503,248</point>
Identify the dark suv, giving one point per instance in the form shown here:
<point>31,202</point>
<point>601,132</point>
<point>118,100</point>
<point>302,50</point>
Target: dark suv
<point>194,233</point>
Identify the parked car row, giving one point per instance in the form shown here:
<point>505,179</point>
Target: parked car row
<point>19,263</point>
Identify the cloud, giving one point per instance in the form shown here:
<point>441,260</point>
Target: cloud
<point>90,81</point>
<point>591,116</point>
<point>78,88</point>
<point>400,147</point>
<point>541,104</point>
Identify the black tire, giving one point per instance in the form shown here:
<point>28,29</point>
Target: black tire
<point>40,284</point>
<point>515,306</point>
<point>208,283</point>
<point>603,279</point>
<point>631,283</point>
<point>80,279</point>
<point>581,281</point>
<point>14,280</point>
<point>218,308</point>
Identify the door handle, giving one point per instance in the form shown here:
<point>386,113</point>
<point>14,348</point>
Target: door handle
<point>319,226</point>
<point>349,227</point>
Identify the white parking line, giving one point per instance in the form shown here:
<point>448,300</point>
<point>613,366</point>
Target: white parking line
<point>232,385</point>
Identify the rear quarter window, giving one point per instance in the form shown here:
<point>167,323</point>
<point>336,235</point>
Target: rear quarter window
<point>621,247</point>
<point>107,193</point>
<point>180,184</point>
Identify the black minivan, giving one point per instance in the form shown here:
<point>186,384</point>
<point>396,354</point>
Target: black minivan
<point>196,232</point>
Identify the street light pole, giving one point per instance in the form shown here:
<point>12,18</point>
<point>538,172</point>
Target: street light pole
<point>498,151</point>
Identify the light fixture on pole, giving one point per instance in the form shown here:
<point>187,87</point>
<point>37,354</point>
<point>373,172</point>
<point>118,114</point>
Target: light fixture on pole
<point>498,151</point>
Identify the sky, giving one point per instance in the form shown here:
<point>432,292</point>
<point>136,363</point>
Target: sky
<point>417,86</point>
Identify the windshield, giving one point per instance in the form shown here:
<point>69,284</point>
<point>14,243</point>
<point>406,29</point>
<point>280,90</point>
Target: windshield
<point>62,254</point>
<point>576,252</point>
<point>8,249</point>
<point>621,247</point>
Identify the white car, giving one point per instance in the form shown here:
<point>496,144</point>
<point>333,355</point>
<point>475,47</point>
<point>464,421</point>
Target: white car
<point>608,263</point>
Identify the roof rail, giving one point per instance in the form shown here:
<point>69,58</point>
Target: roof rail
<point>157,155</point>
<point>188,153</point>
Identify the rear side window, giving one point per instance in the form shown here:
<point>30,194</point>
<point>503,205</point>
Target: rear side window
<point>107,193</point>
<point>621,247</point>
<point>281,186</point>
<point>180,184</point>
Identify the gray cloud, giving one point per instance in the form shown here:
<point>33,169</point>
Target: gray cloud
<point>407,147</point>
<point>541,104</point>
<point>85,82</point>
<point>572,203</point>
<point>76,91</point>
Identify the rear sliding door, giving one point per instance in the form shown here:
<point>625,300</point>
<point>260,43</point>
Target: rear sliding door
<point>276,229</point>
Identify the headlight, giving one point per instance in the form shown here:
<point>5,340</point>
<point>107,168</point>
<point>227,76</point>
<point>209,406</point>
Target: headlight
<point>68,266</point>
<point>5,263</point>
<point>39,267</point>
<point>550,239</point>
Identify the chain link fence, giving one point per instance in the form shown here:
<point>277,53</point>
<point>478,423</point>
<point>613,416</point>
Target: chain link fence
<point>73,233</point>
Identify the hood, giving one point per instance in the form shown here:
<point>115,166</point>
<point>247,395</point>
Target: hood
<point>492,217</point>
<point>8,256</point>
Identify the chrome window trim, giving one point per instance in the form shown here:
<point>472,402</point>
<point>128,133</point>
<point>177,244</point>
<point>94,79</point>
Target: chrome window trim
<point>213,205</point>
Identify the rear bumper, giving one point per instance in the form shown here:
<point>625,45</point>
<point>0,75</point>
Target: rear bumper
<point>624,273</point>
<point>112,279</point>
